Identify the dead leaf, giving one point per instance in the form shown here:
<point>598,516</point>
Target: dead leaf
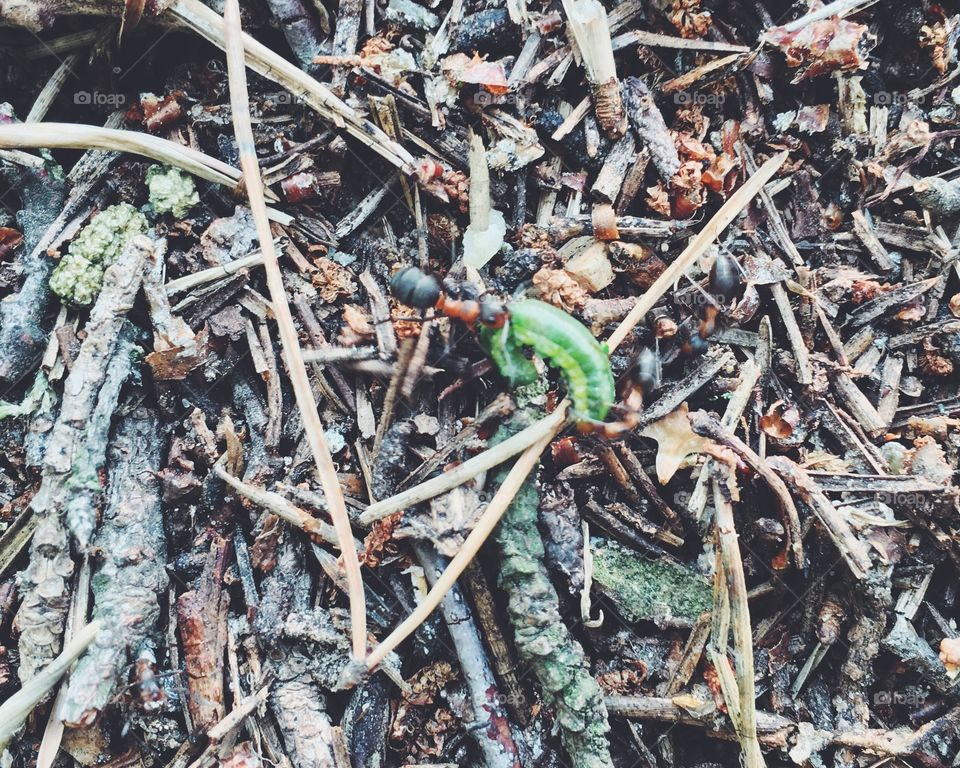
<point>332,281</point>
<point>675,441</point>
<point>9,240</point>
<point>780,420</point>
<point>829,45</point>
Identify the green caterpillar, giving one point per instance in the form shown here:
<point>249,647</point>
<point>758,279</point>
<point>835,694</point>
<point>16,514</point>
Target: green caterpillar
<point>563,342</point>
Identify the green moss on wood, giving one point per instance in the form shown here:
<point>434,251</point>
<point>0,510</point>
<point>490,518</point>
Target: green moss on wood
<point>643,589</point>
<point>171,191</point>
<point>78,277</point>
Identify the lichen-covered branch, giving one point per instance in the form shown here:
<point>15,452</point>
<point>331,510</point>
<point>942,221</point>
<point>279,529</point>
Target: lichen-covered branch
<point>541,637</point>
<point>45,581</point>
<point>131,573</point>
<point>84,483</point>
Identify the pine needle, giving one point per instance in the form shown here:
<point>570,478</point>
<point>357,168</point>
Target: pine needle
<point>327,473</point>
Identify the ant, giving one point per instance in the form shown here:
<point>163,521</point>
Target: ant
<point>724,287</point>
<point>455,299</point>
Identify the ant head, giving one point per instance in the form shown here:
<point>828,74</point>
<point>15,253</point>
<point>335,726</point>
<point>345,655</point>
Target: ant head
<point>415,288</point>
<point>493,312</point>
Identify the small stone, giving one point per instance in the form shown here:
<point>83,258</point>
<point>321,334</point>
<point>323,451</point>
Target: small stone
<point>591,267</point>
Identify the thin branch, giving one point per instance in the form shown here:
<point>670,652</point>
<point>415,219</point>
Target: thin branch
<point>327,473</point>
<point>732,566</point>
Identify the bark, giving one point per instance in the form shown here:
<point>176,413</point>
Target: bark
<point>202,615</point>
<point>22,338</point>
<point>131,574</point>
<point>45,582</point>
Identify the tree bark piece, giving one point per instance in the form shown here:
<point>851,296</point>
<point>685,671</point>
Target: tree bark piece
<point>131,573</point>
<point>202,615</point>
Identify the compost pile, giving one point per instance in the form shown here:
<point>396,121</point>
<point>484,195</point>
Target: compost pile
<point>235,465</point>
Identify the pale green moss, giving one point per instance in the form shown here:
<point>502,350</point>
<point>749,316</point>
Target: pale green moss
<point>79,275</point>
<point>171,191</point>
<point>651,590</point>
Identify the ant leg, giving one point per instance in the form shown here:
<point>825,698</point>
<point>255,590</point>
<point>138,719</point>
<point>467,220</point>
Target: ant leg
<point>407,318</point>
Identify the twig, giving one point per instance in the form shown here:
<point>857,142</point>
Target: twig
<point>52,88</point>
<point>541,637</point>
<point>749,375</point>
<point>14,711</point>
<point>204,276</point>
<point>772,729</point>
<point>464,472</point>
<point>836,8</point>
<point>280,506</point>
<point>648,123</point>
<point>732,566</point>
<point>326,471</point>
<point>489,727</point>
<point>587,20</point>
<point>22,335</point>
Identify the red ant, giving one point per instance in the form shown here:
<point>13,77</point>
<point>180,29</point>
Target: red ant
<point>459,300</point>
<point>150,695</point>
<point>724,286</point>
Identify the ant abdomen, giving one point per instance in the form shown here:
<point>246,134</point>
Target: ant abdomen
<point>415,288</point>
<point>725,279</point>
<point>645,371</point>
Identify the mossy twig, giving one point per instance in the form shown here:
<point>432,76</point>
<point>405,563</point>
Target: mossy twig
<point>541,637</point>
